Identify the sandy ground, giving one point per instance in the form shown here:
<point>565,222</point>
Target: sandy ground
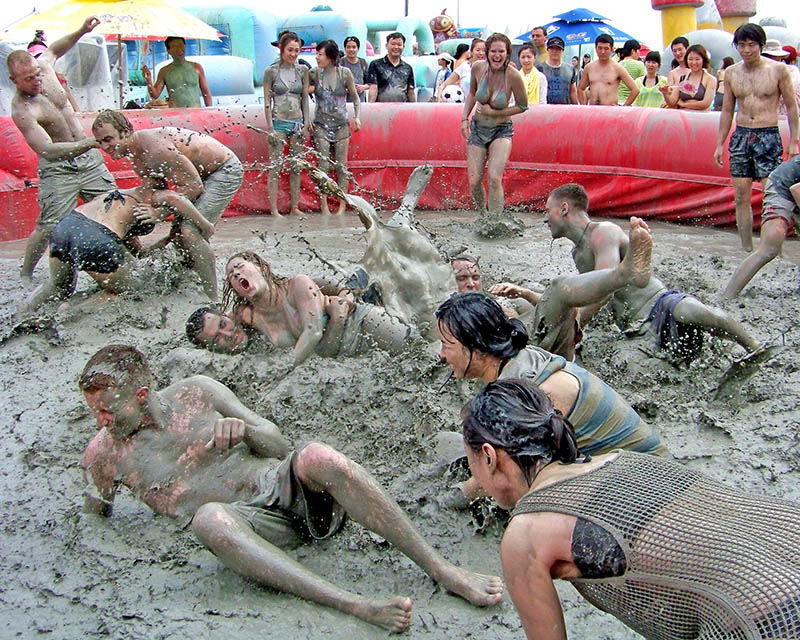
<point>136,575</point>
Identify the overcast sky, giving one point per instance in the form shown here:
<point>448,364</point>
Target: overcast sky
<point>633,16</point>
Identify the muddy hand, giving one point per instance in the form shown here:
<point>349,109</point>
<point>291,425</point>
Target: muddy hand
<point>228,432</point>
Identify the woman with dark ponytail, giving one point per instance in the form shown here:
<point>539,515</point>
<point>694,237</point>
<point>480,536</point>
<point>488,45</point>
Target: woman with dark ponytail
<point>668,551</point>
<point>479,341</point>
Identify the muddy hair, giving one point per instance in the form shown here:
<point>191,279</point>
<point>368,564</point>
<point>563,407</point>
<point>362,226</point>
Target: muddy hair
<point>331,50</point>
<point>499,37</point>
<point>118,366</point>
<point>115,119</point>
<point>478,322</point>
<point>17,59</point>
<point>515,415</point>
<point>230,299</point>
<point>194,325</point>
<point>573,193</point>
<point>700,50</point>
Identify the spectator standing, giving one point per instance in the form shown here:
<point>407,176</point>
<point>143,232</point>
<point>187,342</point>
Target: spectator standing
<point>650,84</point>
<point>727,61</point>
<point>773,51</point>
<point>629,58</point>
<point>678,47</point>
<point>463,73</point>
<point>696,89</point>
<point>445,61</point>
<point>389,78</point>
<point>184,80</point>
<point>603,77</point>
<point>462,56</point>
<point>561,77</point>
<point>534,80</point>
<point>357,66</point>
<point>539,40</point>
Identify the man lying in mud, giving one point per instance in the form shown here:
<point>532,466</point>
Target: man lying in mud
<point>291,312</point>
<point>101,238</point>
<point>676,319</point>
<point>193,451</point>
<point>200,167</point>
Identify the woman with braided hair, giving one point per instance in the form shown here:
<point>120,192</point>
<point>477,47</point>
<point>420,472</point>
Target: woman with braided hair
<point>669,552</point>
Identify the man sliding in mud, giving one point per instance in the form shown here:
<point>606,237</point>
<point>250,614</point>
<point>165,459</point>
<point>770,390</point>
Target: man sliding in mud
<point>194,451</point>
<point>200,168</point>
<point>677,319</point>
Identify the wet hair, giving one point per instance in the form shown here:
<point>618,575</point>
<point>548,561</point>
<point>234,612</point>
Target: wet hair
<point>478,322</point>
<point>115,118</point>
<point>727,61</point>
<point>527,47</point>
<point>118,366</point>
<point>286,38</point>
<point>331,50</point>
<point>171,39</point>
<point>351,39</point>
<point>17,59</point>
<point>461,49</point>
<point>195,323</point>
<point>500,37</point>
<point>700,50</point>
<point>653,56</point>
<point>629,47</point>
<point>573,193</point>
<point>750,31</point>
<point>517,416</point>
<point>604,37</point>
<point>679,40</point>
<point>231,299</point>
<point>465,257</point>
<point>542,29</point>
<point>475,42</point>
<point>395,34</point>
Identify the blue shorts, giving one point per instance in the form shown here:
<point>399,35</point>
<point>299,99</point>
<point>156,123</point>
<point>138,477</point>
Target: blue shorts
<point>288,128</point>
<point>755,153</point>
<point>86,245</point>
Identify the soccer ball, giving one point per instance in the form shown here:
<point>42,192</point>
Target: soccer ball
<point>452,93</point>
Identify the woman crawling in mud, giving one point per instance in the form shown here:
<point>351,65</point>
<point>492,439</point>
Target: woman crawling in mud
<point>293,312</point>
<point>101,236</point>
<point>668,551</point>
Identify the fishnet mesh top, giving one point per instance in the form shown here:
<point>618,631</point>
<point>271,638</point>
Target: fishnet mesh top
<point>703,560</point>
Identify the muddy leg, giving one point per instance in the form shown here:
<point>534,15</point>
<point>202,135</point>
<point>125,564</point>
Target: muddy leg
<point>743,191</point>
<point>385,331</point>
<point>295,151</point>
<point>34,250</point>
<point>231,538</point>
<point>773,233</point>
<point>476,162</point>
<point>499,151</point>
<point>324,161</point>
<point>716,321</point>
<point>63,277</point>
<point>342,175</point>
<point>321,468</point>
<point>419,179</point>
<point>276,144</point>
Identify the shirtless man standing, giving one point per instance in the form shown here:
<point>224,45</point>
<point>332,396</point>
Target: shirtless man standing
<point>193,451</point>
<point>185,80</point>
<point>755,147</point>
<point>603,77</point>
<point>674,317</point>
<point>69,163</point>
<point>201,168</point>
<point>679,46</point>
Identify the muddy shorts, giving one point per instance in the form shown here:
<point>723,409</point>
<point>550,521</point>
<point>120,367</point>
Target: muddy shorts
<point>331,131</point>
<point>287,514</point>
<point>219,189</point>
<point>61,182</point>
<point>289,128</point>
<point>754,153</point>
<point>86,244</point>
<point>682,340</point>
<point>776,206</point>
<point>482,135</point>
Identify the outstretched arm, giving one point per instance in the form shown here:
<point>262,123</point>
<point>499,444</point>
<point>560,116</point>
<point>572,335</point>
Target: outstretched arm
<point>607,244</point>
<point>510,290</point>
<point>240,424</point>
<point>62,45</point>
<point>42,144</point>
<point>167,202</point>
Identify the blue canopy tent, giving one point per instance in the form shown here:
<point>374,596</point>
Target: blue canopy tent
<point>580,26</point>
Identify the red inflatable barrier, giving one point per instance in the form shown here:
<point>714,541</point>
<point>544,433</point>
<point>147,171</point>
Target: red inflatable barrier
<point>652,163</point>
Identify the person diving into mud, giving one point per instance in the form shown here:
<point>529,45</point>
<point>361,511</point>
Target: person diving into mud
<point>193,451</point>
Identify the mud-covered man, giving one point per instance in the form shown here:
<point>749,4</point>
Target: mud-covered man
<point>201,168</point>
<point>194,451</point>
<point>753,88</point>
<point>69,163</point>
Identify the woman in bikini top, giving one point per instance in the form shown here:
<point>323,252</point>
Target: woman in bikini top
<point>695,89</point>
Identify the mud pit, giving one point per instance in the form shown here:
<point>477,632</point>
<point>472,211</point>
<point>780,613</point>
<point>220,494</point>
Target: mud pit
<point>136,575</point>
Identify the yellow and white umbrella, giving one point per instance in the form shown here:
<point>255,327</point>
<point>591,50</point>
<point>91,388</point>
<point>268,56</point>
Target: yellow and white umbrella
<point>126,19</point>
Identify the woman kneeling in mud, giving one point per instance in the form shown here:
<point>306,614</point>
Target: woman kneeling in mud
<point>668,551</point>
<point>293,312</point>
<point>101,236</point>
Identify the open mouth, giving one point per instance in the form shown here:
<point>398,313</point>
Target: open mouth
<point>244,284</point>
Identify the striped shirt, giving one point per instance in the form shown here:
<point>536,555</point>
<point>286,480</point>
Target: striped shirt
<point>650,96</point>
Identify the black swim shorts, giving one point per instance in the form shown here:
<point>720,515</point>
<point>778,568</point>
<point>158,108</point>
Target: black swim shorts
<point>86,244</point>
<point>755,153</point>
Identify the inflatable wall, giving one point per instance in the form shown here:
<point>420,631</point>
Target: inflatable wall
<point>653,163</point>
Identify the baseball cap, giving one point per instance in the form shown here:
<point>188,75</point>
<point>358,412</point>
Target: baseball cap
<point>555,41</point>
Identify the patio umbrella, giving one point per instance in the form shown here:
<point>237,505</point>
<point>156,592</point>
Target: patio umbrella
<point>580,26</point>
<point>128,19</point>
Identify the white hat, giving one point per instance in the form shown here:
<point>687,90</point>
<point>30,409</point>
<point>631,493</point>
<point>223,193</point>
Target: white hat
<point>449,58</point>
<point>773,48</point>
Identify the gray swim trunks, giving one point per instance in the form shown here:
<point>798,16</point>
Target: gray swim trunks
<point>776,206</point>
<point>61,182</point>
<point>219,189</point>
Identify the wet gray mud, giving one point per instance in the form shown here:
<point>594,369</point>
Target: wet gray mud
<point>136,575</point>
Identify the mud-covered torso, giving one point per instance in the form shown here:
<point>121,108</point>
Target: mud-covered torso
<point>757,93</point>
<point>169,469</point>
<point>286,81</point>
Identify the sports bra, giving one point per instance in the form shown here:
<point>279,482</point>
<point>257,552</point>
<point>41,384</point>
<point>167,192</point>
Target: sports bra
<point>500,98</point>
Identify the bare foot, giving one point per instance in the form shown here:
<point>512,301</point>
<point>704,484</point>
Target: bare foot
<point>275,213</point>
<point>295,212</point>
<point>393,614</point>
<point>475,588</point>
<point>636,264</point>
<point>342,207</point>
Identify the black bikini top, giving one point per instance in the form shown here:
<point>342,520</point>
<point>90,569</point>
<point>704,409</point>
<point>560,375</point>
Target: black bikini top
<point>137,228</point>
